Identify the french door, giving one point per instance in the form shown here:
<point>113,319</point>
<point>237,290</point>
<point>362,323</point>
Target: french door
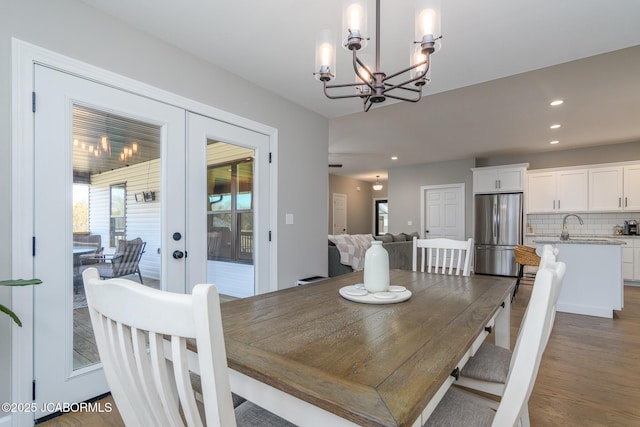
<point>109,168</point>
<point>229,181</point>
<point>112,168</point>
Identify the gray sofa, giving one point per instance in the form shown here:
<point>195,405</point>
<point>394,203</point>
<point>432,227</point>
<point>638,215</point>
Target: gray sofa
<point>399,247</point>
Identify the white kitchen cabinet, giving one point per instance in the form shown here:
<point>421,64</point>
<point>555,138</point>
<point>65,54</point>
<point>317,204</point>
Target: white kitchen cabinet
<point>557,191</point>
<point>636,259</point>
<point>628,259</point>
<point>614,188</point>
<point>632,188</point>
<point>605,189</point>
<point>502,179</point>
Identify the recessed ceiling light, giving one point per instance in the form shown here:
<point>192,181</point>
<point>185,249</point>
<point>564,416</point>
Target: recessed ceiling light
<point>554,142</point>
<point>556,102</point>
<point>554,126</point>
<point>394,157</point>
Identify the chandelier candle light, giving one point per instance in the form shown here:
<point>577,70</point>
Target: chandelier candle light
<point>376,86</point>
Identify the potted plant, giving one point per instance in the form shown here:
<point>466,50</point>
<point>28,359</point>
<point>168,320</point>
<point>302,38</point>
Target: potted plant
<point>18,282</point>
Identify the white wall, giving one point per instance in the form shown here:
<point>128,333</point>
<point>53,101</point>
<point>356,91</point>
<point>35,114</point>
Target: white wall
<point>74,29</point>
<point>404,191</point>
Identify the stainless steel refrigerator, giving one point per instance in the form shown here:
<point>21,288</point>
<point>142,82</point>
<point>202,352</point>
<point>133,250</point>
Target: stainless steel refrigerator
<point>498,229</point>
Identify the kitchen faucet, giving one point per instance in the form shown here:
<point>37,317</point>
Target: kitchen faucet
<point>564,235</point>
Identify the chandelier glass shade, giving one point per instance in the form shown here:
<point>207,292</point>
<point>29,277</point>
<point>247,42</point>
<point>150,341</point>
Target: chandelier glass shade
<point>371,84</point>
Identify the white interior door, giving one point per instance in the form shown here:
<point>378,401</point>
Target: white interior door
<point>339,213</point>
<point>443,212</point>
<point>129,153</point>
<point>229,181</point>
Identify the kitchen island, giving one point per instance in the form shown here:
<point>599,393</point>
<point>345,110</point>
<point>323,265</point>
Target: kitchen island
<point>593,284</point>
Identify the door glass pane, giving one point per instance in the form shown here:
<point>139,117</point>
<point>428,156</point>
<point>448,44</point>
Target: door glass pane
<point>116,176</point>
<point>230,223</point>
<point>382,217</point>
<point>117,198</point>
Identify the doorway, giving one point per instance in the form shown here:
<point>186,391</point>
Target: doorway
<point>381,216</point>
<point>443,211</point>
<point>119,191</point>
<point>339,213</point>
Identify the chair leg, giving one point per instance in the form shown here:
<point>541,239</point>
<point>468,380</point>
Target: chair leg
<point>140,275</point>
<point>520,275</point>
<point>524,416</point>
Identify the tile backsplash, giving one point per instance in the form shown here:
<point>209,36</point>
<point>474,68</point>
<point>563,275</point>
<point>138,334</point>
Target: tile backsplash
<point>599,224</point>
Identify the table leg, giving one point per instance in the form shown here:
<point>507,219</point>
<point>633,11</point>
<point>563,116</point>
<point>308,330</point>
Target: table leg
<point>503,325</point>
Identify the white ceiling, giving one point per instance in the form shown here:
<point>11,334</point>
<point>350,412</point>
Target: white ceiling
<point>485,98</point>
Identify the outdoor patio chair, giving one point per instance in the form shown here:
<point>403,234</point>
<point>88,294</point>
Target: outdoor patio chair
<point>123,262</point>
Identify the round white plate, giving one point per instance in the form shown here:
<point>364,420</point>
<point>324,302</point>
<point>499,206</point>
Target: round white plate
<point>355,292</point>
<point>394,288</point>
<point>385,295</point>
<point>369,298</point>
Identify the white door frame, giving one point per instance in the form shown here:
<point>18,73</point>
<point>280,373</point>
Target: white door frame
<point>423,205</point>
<point>23,57</point>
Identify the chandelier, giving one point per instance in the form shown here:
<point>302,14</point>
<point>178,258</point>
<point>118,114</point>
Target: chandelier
<point>377,186</point>
<point>375,86</point>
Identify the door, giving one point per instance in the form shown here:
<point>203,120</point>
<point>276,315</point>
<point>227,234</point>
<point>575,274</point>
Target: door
<point>444,212</point>
<point>509,219</point>
<point>631,188</point>
<point>339,213</point>
<point>109,167</point>
<point>573,190</point>
<point>605,189</point>
<point>541,194</point>
<point>486,219</point>
<point>381,217</point>
<point>230,198</point>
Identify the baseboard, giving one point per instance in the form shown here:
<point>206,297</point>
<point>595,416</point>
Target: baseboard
<point>585,310</point>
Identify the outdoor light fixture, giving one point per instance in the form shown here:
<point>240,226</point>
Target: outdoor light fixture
<point>372,85</point>
<point>377,186</point>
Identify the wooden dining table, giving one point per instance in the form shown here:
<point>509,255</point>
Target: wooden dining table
<point>318,359</point>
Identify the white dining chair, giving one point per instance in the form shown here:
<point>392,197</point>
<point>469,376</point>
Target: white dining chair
<point>487,370</point>
<point>141,335</point>
<point>445,256</point>
<point>460,408</point>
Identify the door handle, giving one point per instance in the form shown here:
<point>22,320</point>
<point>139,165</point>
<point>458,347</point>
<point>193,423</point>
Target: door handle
<point>178,254</point>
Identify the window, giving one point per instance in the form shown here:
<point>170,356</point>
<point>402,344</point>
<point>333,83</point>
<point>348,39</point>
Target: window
<point>381,217</point>
<point>117,203</point>
<point>230,206</point>
<point>80,208</point>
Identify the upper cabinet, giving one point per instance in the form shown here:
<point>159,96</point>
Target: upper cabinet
<point>614,188</point>
<point>501,179</point>
<point>557,191</point>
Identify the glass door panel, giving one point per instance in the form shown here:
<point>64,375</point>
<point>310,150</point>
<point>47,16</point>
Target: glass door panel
<point>230,218</point>
<point>114,163</point>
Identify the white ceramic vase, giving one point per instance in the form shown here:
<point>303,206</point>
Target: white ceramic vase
<point>376,268</point>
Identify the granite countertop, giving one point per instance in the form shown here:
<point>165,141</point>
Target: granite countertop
<point>579,240</point>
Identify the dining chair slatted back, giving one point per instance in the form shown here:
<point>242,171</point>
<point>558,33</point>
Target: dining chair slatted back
<point>488,369</point>
<point>530,345</point>
<point>131,324</point>
<point>445,256</point>
<point>527,355</point>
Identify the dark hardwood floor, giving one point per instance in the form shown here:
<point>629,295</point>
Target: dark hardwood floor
<point>589,376</point>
